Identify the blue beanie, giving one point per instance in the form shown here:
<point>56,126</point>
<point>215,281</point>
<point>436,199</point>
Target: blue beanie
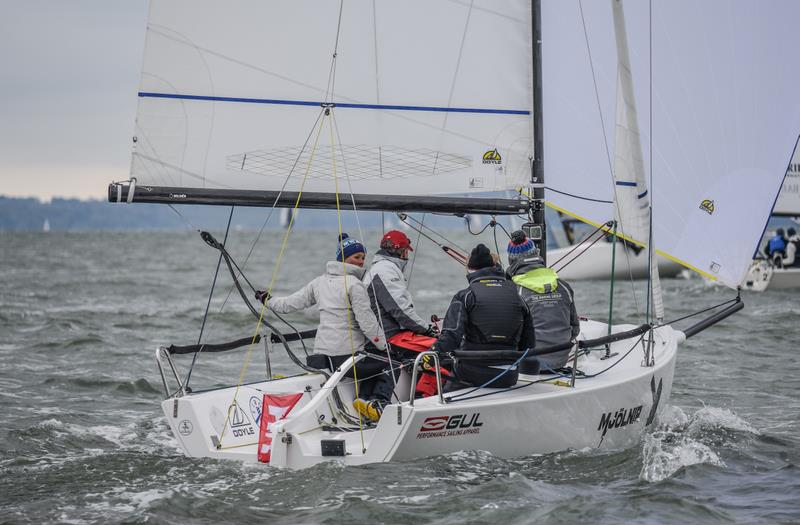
<point>350,247</point>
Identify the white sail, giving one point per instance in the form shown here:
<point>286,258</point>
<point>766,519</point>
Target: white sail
<point>430,97</point>
<point>631,199</point>
<point>725,118</point>
<point>789,198</point>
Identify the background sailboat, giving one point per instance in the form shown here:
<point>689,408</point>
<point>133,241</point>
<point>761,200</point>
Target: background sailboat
<point>763,274</point>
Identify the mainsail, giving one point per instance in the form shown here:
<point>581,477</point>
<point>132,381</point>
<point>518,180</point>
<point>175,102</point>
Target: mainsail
<point>429,97</point>
<point>725,119</point>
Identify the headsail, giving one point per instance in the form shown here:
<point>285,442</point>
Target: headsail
<point>631,199</point>
<point>725,118</point>
<point>429,97</point>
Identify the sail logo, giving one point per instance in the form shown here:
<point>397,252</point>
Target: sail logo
<point>492,157</point>
<point>707,206</point>
<point>240,423</point>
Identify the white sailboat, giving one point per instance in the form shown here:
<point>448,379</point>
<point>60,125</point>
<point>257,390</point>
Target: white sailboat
<point>301,104</point>
<point>763,273</point>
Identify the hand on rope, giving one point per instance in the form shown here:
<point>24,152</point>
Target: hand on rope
<point>262,296</point>
<point>432,331</point>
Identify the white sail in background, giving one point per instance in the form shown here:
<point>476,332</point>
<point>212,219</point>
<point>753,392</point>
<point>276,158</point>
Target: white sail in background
<point>631,199</point>
<point>789,198</point>
<point>430,97</point>
<point>725,118</point>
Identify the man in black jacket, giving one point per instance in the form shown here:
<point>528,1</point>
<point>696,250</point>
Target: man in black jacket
<point>487,315</point>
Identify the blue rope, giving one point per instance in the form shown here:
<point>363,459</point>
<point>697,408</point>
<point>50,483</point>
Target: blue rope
<point>495,378</point>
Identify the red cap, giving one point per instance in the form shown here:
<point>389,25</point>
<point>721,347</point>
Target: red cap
<point>395,240</point>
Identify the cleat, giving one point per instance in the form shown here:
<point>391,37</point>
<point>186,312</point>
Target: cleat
<point>370,410</point>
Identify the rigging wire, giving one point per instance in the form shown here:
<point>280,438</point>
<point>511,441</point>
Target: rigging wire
<point>358,219</point>
<point>274,203</point>
<point>348,304</point>
<point>275,271</point>
<point>210,295</point>
<point>591,199</point>
<point>607,149</point>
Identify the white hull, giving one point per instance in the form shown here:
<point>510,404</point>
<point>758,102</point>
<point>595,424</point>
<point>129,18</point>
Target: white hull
<point>594,262</point>
<point>762,276</point>
<point>609,411</point>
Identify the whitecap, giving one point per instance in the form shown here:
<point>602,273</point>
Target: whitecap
<point>664,455</point>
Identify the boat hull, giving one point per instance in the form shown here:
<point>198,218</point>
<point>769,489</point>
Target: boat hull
<point>609,411</point>
<point>762,276</point>
<point>594,262</point>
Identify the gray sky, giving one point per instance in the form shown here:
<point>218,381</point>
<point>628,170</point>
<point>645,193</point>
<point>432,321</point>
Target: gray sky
<point>69,73</point>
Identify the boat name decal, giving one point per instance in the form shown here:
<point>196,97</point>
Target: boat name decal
<point>449,426</point>
<point>621,418</point>
<point>177,195</point>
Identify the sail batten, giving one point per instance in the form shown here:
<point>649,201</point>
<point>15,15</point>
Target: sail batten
<point>348,105</point>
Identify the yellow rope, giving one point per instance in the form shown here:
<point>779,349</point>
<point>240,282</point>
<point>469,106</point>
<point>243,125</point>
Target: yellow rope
<point>250,348</point>
<point>346,290</point>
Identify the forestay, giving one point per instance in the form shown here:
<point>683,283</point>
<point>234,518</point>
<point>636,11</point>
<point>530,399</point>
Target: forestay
<point>725,118</point>
<point>429,97</point>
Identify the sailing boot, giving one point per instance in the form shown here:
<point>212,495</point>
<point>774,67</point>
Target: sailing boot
<point>371,409</point>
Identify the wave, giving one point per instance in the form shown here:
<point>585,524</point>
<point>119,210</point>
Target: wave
<point>683,440</point>
<point>138,386</point>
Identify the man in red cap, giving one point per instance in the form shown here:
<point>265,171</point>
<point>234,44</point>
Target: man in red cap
<point>389,296</point>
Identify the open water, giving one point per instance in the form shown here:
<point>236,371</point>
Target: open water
<point>83,440</point>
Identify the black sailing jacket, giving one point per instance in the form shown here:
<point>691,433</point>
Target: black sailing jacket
<point>487,315</point>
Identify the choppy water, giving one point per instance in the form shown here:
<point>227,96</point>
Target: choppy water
<point>83,439</point>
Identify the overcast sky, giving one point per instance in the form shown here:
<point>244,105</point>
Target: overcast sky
<point>69,73</point>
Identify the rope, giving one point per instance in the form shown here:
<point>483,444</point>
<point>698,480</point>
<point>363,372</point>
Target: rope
<point>495,378</point>
<point>679,319</point>
<point>575,247</point>
<point>274,203</point>
<point>548,188</point>
<point>348,304</point>
<point>250,348</point>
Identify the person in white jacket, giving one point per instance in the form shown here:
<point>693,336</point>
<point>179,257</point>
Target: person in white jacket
<point>791,255</point>
<point>346,323</point>
<point>388,288</point>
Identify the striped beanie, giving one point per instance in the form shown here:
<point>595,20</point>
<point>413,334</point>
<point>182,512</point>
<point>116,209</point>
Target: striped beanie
<point>349,246</point>
<point>520,247</point>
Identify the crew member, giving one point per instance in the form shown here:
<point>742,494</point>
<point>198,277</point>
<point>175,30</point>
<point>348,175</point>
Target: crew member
<point>346,324</point>
<point>776,246</point>
<point>388,288</point>
<point>550,300</point>
<point>792,244</point>
<point>487,315</point>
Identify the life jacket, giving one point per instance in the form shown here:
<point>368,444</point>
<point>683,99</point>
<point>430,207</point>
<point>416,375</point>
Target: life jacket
<point>426,384</point>
<point>776,244</point>
<point>495,318</point>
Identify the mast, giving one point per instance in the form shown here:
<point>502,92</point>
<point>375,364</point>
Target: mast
<point>537,165</point>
